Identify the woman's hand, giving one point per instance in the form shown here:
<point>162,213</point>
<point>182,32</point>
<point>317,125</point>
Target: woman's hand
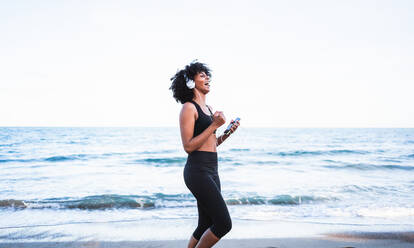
<point>218,119</point>
<point>234,127</point>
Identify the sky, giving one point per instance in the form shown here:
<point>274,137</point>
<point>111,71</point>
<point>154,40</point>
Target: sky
<point>274,63</point>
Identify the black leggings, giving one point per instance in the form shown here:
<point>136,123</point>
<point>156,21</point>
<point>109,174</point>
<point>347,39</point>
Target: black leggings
<point>202,179</point>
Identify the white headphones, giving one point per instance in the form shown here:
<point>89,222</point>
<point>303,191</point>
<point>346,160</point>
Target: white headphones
<point>189,82</point>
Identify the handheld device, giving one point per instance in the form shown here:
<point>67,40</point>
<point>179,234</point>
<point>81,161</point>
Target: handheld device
<point>227,131</point>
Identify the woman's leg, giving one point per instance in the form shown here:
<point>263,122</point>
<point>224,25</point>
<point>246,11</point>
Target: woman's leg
<point>207,240</point>
<point>204,222</point>
<point>206,189</point>
<point>207,192</point>
<point>192,243</point>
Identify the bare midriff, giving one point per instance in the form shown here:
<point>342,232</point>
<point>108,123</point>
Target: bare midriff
<point>210,144</point>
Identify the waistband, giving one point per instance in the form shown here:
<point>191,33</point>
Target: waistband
<point>203,154</point>
<point>202,161</point>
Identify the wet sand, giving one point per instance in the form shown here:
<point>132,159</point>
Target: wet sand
<point>332,240</point>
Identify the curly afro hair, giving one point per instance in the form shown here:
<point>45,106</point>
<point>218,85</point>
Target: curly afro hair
<point>181,92</point>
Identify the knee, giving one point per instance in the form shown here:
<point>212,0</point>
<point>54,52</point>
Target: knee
<point>222,228</point>
<point>198,232</point>
<point>227,225</point>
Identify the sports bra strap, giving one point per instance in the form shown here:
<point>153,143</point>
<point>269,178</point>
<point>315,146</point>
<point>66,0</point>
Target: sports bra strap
<point>198,106</point>
<point>209,110</point>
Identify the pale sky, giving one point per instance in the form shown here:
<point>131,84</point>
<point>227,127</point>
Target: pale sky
<point>274,63</point>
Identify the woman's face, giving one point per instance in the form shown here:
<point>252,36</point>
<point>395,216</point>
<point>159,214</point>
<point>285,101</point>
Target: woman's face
<point>202,82</point>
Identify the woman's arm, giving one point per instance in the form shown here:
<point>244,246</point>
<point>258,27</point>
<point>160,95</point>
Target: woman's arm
<point>187,120</point>
<point>222,138</point>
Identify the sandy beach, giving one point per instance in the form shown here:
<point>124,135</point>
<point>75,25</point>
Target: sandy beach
<point>336,240</point>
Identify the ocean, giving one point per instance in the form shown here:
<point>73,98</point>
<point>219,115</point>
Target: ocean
<point>109,183</point>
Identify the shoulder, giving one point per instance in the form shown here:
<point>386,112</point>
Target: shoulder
<point>188,107</point>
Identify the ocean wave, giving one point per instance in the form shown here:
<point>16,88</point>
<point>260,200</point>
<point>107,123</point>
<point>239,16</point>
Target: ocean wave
<point>410,155</point>
<point>63,158</point>
<point>156,200</point>
<point>157,152</point>
<point>278,200</point>
<point>58,158</point>
<point>12,203</point>
<point>386,190</point>
<point>361,166</point>
<point>332,161</point>
<point>99,202</point>
<point>239,149</point>
<point>66,158</point>
<point>260,162</point>
<point>162,161</point>
<point>391,160</point>
<point>103,202</point>
<point>107,202</point>
<point>9,145</point>
<point>17,160</point>
<point>317,152</point>
<point>353,188</point>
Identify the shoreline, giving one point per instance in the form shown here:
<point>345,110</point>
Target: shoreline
<point>407,237</point>
<point>329,240</point>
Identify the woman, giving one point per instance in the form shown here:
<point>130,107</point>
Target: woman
<point>190,86</point>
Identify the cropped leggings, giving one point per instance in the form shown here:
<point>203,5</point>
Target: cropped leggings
<point>202,179</point>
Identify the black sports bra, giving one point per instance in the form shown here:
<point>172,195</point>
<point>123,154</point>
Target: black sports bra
<point>203,120</point>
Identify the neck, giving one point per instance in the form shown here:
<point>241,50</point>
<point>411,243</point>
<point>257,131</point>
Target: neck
<point>199,97</point>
